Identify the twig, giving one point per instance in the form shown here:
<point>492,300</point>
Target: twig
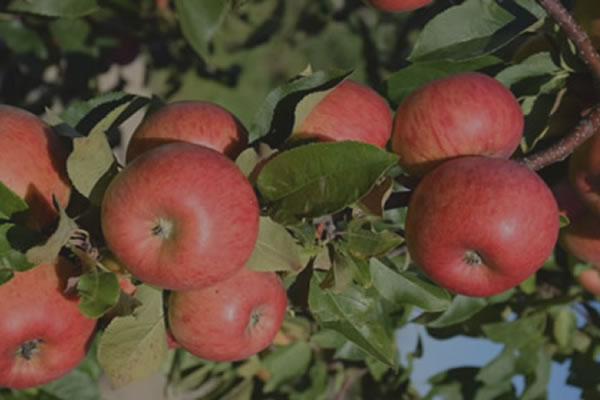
<point>564,19</point>
<point>591,123</point>
<point>561,149</point>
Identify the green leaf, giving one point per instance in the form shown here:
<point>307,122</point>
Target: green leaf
<point>500,369</point>
<point>200,20</point>
<point>356,315</point>
<point>339,276</point>
<point>134,346</point>
<point>275,249</point>
<point>321,178</point>
<point>75,385</point>
<point>517,333</point>
<point>404,81</point>
<point>21,39</point>
<point>99,292</point>
<point>404,288</point>
<point>56,8</point>
<point>275,120</point>
<point>101,111</point>
<point>468,30</point>
<point>91,165</point>
<point>537,387</point>
<point>461,309</point>
<point>564,327</point>
<point>47,252</point>
<point>10,203</point>
<point>14,242</point>
<point>318,375</point>
<point>361,271</point>
<point>286,363</point>
<point>538,65</point>
<point>366,243</point>
<point>243,391</point>
<point>72,36</point>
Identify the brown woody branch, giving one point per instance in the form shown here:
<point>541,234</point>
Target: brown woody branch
<point>587,51</point>
<point>561,149</point>
<point>591,123</point>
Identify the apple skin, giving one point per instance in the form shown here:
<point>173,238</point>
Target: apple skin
<point>36,312</point>
<point>169,215</point>
<point>231,320</point>
<point>398,5</point>
<point>34,165</point>
<point>479,226</point>
<point>569,203</point>
<point>584,172</point>
<point>196,122</point>
<point>590,280</point>
<point>462,114</point>
<point>581,238</point>
<point>351,111</point>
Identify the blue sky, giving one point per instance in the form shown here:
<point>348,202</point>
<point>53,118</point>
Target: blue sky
<point>440,355</point>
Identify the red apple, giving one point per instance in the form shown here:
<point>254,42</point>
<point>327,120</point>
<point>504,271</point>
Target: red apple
<point>44,336</point>
<point>581,237</point>
<point>479,226</point>
<point>181,217</point>
<point>33,164</point>
<point>463,114</point>
<point>590,280</point>
<point>584,172</point>
<point>351,111</point>
<point>398,5</point>
<point>569,203</point>
<point>196,122</point>
<point>231,320</point>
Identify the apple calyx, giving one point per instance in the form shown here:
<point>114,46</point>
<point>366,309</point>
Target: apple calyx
<point>472,257</point>
<point>29,349</point>
<point>163,228</point>
<point>255,317</point>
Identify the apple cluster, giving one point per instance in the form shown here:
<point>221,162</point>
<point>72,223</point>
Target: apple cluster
<point>181,216</point>
<point>44,335</point>
<point>478,223</point>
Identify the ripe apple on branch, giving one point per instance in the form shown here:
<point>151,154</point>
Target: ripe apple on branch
<point>209,247</point>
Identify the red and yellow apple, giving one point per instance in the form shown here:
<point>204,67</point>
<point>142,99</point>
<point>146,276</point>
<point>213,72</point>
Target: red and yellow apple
<point>398,5</point>
<point>196,122</point>
<point>590,280</point>
<point>180,216</point>
<point>569,203</point>
<point>351,111</point>
<point>230,320</point>
<point>584,173</point>
<point>581,237</point>
<point>33,164</point>
<point>479,226</point>
<point>44,335</point>
<point>463,114</point>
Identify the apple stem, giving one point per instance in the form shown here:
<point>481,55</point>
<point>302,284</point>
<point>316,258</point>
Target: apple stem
<point>163,228</point>
<point>472,257</point>
<point>28,349</point>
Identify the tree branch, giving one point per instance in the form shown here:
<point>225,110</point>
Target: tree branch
<point>564,19</point>
<point>591,123</point>
<point>561,150</point>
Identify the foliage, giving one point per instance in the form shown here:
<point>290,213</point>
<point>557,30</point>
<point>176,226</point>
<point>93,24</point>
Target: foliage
<point>351,283</point>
